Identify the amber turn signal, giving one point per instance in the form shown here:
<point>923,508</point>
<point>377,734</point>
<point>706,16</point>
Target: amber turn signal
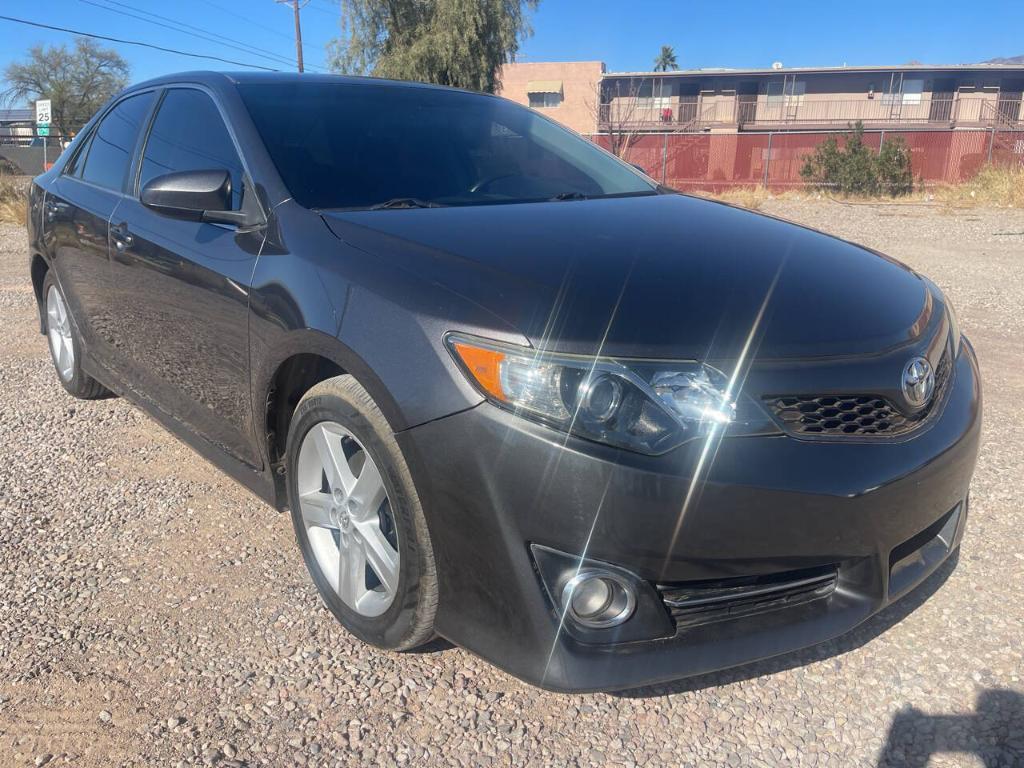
<point>484,365</point>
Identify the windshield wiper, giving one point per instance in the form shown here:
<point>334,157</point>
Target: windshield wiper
<point>405,202</point>
<point>569,196</point>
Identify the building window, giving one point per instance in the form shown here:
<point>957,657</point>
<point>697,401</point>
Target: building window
<point>778,92</point>
<point>545,100</point>
<point>909,91</point>
<point>912,90</point>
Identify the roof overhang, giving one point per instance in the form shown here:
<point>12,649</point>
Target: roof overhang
<point>727,72</point>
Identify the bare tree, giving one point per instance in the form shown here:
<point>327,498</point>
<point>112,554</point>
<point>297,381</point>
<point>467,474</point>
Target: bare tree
<point>78,81</point>
<point>629,109</point>
<point>620,112</point>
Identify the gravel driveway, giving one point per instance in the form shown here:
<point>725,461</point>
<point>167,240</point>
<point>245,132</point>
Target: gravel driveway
<point>153,613</point>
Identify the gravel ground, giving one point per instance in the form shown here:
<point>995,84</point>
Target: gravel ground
<point>153,613</point>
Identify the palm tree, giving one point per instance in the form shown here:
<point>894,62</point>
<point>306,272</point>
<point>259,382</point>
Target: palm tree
<point>666,60</point>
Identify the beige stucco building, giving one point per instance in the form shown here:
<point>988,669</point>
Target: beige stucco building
<point>566,91</point>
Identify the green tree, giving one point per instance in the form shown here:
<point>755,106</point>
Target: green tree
<point>666,60</point>
<point>78,81</point>
<point>462,43</point>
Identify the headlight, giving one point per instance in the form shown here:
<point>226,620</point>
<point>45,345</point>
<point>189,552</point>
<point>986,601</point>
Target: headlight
<point>641,406</point>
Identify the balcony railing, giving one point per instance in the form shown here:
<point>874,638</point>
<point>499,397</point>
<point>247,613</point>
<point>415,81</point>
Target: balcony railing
<point>665,115</point>
<point>875,111</point>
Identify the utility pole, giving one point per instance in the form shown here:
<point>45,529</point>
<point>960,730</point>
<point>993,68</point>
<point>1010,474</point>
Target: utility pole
<point>298,30</point>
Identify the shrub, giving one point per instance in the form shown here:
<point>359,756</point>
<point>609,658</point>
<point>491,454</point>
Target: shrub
<point>894,174</point>
<point>855,169</point>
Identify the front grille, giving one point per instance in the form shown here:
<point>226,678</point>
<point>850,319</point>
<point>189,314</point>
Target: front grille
<point>851,415</point>
<point>835,415</point>
<point>705,602</point>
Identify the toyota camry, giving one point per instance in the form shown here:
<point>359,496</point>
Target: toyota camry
<point>512,392</point>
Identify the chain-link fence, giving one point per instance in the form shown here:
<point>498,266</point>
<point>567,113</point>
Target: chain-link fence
<point>717,161</point>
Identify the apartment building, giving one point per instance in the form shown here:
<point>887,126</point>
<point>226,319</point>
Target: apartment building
<point>588,99</point>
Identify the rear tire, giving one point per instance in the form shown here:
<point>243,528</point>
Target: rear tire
<point>358,520</point>
<point>65,346</point>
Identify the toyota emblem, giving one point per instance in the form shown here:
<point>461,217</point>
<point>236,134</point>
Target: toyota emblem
<point>918,382</point>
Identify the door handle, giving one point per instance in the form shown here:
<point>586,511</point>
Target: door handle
<point>121,236</point>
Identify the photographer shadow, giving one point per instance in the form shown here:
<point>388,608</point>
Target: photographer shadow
<point>994,733</point>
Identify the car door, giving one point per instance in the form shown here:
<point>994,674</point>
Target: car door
<point>76,216</point>
<point>184,285</point>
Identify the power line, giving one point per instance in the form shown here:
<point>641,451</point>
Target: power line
<point>333,11</point>
<point>256,24</point>
<point>136,42</point>
<point>246,19</point>
<point>251,48</point>
<point>210,38</point>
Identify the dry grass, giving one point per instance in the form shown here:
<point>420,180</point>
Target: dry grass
<point>745,197</point>
<point>754,197</point>
<point>994,186</point>
<point>12,200</point>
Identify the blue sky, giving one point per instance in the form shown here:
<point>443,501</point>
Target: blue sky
<point>625,35</point>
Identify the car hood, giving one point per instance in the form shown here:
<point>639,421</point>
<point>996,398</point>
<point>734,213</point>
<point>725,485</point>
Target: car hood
<point>665,276</point>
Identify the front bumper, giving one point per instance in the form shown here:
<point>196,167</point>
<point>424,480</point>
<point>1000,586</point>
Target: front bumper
<point>493,484</point>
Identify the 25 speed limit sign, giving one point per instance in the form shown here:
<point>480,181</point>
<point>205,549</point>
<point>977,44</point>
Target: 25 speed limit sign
<point>43,112</point>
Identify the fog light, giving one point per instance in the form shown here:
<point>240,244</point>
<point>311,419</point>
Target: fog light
<point>598,599</point>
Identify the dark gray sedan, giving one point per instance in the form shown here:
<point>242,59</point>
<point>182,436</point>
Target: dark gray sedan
<point>513,392</point>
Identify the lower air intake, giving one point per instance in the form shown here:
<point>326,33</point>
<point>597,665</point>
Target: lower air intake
<point>709,601</point>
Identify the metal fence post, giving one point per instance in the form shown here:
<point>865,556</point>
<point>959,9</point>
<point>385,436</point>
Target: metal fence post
<point>664,157</point>
<point>991,141</point>
<point>767,161</point>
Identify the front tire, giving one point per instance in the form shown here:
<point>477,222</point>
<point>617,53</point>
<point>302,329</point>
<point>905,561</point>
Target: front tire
<point>358,520</point>
<point>65,346</point>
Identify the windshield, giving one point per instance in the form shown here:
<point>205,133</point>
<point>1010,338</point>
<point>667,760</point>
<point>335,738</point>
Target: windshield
<point>356,145</point>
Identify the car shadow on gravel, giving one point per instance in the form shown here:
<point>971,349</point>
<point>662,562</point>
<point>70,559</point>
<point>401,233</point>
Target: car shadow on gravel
<point>437,645</point>
<point>994,732</point>
<point>855,638</point>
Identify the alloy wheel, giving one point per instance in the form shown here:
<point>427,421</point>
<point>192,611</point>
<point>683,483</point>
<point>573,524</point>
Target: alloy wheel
<point>348,518</point>
<point>58,326</point>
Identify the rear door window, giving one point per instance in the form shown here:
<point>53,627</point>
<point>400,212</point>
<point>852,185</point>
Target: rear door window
<point>188,134</point>
<point>109,154</point>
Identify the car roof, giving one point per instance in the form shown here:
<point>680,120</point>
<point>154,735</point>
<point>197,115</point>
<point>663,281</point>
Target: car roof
<point>215,78</point>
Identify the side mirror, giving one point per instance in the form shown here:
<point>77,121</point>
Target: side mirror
<point>193,195</point>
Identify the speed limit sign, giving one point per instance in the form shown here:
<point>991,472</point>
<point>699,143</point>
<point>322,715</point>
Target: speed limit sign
<point>43,112</point>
